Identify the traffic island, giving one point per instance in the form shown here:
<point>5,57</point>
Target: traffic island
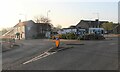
<point>59,49</point>
<point>74,44</point>
<point>46,54</point>
<point>57,46</point>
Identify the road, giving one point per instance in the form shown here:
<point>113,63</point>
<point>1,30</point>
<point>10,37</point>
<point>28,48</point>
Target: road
<point>83,55</point>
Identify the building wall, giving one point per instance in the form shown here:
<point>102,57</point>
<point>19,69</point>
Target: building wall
<point>23,32</point>
<point>30,30</point>
<point>20,28</point>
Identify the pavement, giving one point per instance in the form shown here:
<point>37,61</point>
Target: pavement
<point>111,35</point>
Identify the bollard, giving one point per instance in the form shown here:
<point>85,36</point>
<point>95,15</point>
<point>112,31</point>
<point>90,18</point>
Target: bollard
<point>57,42</point>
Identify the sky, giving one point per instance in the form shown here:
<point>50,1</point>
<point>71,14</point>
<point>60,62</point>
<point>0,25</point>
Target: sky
<point>62,12</point>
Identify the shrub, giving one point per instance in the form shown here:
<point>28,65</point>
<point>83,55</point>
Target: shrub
<point>72,36</point>
<point>63,36</point>
<point>93,37</point>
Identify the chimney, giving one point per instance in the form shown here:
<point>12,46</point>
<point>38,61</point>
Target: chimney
<point>19,20</point>
<point>97,20</point>
<point>98,25</point>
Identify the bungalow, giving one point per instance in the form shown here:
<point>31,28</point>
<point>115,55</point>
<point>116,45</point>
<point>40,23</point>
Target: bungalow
<point>86,24</point>
<point>82,27</point>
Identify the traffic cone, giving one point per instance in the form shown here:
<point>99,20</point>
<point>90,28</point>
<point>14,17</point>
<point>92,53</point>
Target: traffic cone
<point>57,42</point>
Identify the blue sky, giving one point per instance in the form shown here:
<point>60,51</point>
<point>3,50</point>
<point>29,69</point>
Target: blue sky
<point>64,13</point>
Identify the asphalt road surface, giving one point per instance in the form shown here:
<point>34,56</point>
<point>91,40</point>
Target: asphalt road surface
<point>83,55</point>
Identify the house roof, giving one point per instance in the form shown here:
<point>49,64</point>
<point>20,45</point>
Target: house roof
<point>24,23</point>
<point>72,26</point>
<point>69,28</point>
<point>44,24</point>
<point>93,21</point>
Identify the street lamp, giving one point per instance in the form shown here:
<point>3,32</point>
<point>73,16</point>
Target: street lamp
<point>47,18</point>
<point>97,15</point>
<point>47,13</point>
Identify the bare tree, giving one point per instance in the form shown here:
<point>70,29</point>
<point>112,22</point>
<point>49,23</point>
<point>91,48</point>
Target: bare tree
<point>37,19</point>
<point>46,22</point>
<point>4,30</point>
<point>58,27</point>
<point>41,19</point>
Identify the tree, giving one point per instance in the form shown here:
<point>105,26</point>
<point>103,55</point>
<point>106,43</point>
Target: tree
<point>58,27</point>
<point>4,31</point>
<point>108,26</point>
<point>41,19</point>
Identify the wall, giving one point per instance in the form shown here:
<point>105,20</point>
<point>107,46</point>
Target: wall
<point>30,30</point>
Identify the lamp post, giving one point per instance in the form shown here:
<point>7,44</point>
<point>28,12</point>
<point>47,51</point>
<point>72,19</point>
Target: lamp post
<point>47,17</point>
<point>47,24</point>
<point>47,13</point>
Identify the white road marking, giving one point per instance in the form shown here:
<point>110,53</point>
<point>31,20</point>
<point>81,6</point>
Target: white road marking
<point>45,54</point>
<point>112,43</point>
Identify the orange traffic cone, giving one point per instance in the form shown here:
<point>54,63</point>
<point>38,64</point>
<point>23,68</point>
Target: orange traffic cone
<point>57,42</point>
